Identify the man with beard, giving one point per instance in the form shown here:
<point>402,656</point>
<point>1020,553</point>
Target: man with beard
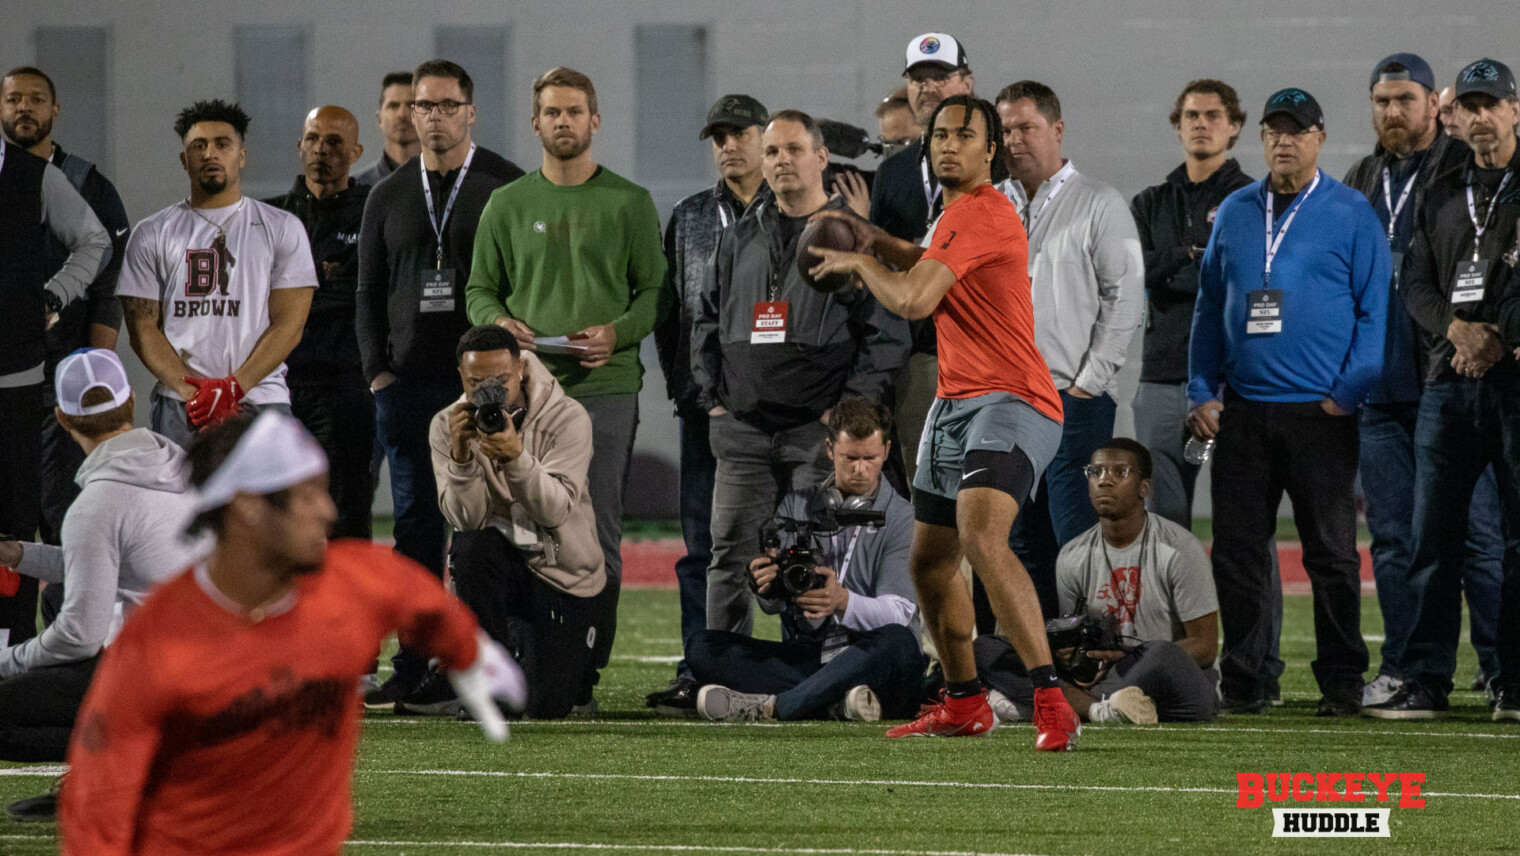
<point>569,258</point>
<point>394,117</point>
<point>1412,152</point>
<point>215,288</point>
<point>28,107</point>
<point>327,389</point>
<point>222,719</point>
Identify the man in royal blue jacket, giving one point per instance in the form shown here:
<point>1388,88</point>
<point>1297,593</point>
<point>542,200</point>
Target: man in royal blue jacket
<point>1287,338</point>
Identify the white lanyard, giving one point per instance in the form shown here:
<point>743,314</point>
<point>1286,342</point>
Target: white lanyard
<point>1059,181</point>
<point>849,552</point>
<point>931,192</point>
<point>2,153</point>
<point>1488,216</point>
<point>427,192</point>
<point>1395,210</point>
<point>723,217</point>
<point>1273,245</point>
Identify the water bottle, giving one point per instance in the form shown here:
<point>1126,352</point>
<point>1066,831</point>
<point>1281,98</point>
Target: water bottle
<point>1197,451</point>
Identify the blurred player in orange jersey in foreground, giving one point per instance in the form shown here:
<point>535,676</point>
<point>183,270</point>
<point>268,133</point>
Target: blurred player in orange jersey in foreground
<point>225,717</point>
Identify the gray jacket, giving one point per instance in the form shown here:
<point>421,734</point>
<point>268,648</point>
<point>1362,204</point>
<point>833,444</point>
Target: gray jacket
<point>121,538</point>
<point>844,341</point>
<point>1087,273</point>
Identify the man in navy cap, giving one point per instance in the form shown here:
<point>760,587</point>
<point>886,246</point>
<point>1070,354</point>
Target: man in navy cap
<point>1457,284</point>
<point>1413,152</point>
<point>1287,340</point>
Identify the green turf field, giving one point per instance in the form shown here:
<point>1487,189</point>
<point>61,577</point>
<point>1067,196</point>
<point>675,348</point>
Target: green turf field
<point>632,783</point>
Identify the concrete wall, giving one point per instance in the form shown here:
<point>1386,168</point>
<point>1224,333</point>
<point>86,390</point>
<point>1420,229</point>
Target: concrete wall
<point>1116,67</point>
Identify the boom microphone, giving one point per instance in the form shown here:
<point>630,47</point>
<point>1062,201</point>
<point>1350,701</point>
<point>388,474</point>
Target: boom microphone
<point>847,141</point>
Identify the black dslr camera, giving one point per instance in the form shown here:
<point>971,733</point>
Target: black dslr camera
<point>488,401</point>
<point>797,565</point>
<point>1072,636</point>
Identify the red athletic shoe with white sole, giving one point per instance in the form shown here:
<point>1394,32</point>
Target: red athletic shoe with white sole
<point>952,717</point>
<point>1056,725</point>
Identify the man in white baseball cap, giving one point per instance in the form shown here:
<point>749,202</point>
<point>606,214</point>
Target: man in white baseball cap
<point>121,538</point>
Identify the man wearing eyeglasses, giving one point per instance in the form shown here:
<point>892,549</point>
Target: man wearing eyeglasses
<point>1287,341</point>
<point>1149,578</point>
<point>415,250</point>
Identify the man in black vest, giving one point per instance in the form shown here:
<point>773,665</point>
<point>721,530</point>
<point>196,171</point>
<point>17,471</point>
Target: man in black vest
<point>28,106</point>
<point>327,389</point>
<point>32,191</point>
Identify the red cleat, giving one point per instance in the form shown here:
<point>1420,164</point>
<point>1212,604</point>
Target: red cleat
<point>1056,725</point>
<point>974,719</point>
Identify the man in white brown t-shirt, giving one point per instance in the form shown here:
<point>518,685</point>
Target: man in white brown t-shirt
<point>215,288</point>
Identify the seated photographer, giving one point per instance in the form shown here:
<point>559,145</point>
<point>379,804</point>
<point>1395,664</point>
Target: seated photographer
<point>1139,632</point>
<point>121,538</point>
<point>510,458</point>
<point>836,569</point>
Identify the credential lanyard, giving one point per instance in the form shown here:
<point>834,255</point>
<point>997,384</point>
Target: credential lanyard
<point>2,153</point>
<point>849,553</point>
<point>931,192</point>
<point>1395,210</point>
<point>1488,216</point>
<point>427,192</point>
<point>1273,244</point>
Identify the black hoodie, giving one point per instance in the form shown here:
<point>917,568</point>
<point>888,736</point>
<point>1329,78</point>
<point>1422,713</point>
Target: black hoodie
<point>1172,217</point>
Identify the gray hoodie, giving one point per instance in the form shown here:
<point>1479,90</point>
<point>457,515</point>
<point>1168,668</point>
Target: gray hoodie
<point>121,538</point>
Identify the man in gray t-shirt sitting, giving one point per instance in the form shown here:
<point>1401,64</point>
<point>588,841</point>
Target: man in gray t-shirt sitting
<point>1147,579</point>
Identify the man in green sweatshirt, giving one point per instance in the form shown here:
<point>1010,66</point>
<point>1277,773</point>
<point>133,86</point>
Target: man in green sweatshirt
<point>569,259</point>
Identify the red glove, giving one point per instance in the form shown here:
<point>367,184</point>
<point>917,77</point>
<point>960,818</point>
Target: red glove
<point>215,399</point>
<point>10,582</point>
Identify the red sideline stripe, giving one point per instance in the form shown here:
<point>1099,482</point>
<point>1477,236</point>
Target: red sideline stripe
<point>651,564</point>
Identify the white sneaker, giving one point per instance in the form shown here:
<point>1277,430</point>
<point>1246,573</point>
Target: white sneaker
<point>721,704</point>
<point>1005,710</point>
<point>861,705</point>
<point>368,684</point>
<point>1129,705</point>
<point>1380,690</point>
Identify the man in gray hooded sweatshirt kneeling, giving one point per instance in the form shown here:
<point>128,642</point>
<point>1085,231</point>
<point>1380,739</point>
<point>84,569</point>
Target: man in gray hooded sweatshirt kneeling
<point>121,538</point>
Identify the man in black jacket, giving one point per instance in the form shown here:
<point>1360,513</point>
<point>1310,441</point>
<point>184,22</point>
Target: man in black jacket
<point>324,372</point>
<point>1175,219</point>
<point>1459,271</point>
<point>415,250</point>
<point>771,355</point>
<point>1412,152</point>
<point>28,106</point>
<point>734,125</point>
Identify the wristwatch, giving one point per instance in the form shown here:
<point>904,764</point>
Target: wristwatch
<point>53,302</point>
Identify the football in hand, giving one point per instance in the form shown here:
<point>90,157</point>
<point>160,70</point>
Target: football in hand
<point>830,234</point>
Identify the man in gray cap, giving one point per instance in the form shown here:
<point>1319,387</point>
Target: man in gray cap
<point>1458,285</point>
<point>733,125</point>
<point>1413,152</point>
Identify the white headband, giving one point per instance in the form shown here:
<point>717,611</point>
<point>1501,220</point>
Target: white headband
<point>276,453</point>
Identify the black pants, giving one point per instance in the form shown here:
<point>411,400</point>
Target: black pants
<point>1263,450</point>
<point>20,495</point>
<point>1181,691</point>
<point>37,711</point>
<point>550,632</point>
<point>342,418</point>
<point>887,660</point>
<point>61,458</point>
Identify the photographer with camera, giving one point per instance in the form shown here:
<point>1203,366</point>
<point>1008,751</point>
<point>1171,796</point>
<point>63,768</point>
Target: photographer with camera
<point>510,457</point>
<point>1139,630</point>
<point>836,569</point>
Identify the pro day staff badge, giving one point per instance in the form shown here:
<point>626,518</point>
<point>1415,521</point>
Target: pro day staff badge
<point>770,323</point>
<point>1264,311</point>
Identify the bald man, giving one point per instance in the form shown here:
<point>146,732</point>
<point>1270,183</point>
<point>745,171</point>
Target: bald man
<point>1448,117</point>
<point>327,388</point>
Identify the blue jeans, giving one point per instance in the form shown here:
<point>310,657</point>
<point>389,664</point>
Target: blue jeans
<point>886,659</point>
<point>403,412</point>
<point>1061,509</point>
<point>1388,481</point>
<point>698,470</point>
<point>1465,426</point>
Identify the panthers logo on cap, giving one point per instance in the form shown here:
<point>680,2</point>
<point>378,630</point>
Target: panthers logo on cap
<point>929,45</point>
<point>1295,96</point>
<point>1480,71</point>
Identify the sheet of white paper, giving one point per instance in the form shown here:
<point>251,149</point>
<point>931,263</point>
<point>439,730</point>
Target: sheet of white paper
<point>557,345</point>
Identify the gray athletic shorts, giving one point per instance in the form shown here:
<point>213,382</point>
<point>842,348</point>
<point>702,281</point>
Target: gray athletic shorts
<point>995,422</point>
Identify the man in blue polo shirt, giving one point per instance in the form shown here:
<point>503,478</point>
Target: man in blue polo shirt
<point>1287,339</point>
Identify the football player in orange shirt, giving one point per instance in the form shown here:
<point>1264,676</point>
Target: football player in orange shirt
<point>224,718</point>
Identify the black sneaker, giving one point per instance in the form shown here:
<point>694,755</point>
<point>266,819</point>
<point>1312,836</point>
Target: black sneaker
<point>42,809</point>
<point>1507,704</point>
<point>1339,705</point>
<point>387,694</point>
<point>678,699</point>
<point>435,697</point>
<point>1238,707</point>
<point>1412,701</point>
